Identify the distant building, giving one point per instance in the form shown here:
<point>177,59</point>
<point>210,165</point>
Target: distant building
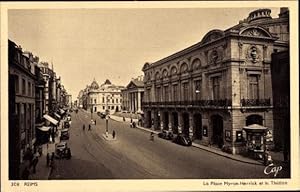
<point>133,95</point>
<point>106,97</point>
<point>211,90</point>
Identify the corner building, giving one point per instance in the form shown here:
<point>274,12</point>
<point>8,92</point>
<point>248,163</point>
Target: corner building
<point>212,89</point>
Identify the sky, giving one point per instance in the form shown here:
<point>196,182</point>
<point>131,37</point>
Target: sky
<point>114,44</point>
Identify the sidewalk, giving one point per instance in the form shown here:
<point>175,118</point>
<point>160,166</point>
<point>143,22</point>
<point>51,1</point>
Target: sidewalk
<point>42,170</point>
<point>276,156</point>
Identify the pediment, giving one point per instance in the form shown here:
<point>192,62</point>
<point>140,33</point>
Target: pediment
<point>255,31</point>
<point>131,85</point>
<point>212,36</point>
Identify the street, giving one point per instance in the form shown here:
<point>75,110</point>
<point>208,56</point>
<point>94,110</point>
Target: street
<point>133,156</point>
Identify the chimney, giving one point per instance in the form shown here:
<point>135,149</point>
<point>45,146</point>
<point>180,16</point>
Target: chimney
<point>284,12</point>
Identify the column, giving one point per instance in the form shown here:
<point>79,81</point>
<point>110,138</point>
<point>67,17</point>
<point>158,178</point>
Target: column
<point>139,101</point>
<point>191,122</point>
<point>130,100</point>
<point>162,118</point>
<point>180,122</point>
<point>135,102</point>
<point>153,117</point>
<point>170,121</point>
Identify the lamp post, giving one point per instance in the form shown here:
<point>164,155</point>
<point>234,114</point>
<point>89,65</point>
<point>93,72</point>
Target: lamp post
<point>106,119</point>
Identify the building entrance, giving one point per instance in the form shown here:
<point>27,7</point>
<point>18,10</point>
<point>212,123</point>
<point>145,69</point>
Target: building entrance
<point>175,123</point>
<point>166,121</point>
<point>217,128</point>
<point>197,126</point>
<point>149,119</point>
<point>186,124</point>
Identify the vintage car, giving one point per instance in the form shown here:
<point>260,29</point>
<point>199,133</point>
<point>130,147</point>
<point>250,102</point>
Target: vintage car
<point>64,134</point>
<point>182,139</point>
<point>165,134</point>
<point>62,150</point>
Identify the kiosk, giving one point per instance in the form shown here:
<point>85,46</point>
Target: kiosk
<point>256,140</point>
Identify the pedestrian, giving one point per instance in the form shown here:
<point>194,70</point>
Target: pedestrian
<point>113,134</point>
<point>89,127</point>
<point>25,174</point>
<point>83,127</point>
<point>48,159</point>
<point>130,122</point>
<point>152,136</point>
<point>52,156</point>
<point>40,149</point>
<point>35,162</point>
<point>124,119</point>
<point>95,121</point>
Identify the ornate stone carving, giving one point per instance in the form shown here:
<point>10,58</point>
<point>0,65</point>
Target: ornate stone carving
<point>173,71</point>
<point>240,44</point>
<point>214,57</point>
<point>255,32</point>
<point>165,73</point>
<point>253,54</point>
<point>196,64</point>
<point>183,68</point>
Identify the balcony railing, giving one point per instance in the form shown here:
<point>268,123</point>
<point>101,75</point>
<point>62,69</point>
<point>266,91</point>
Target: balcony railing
<point>255,102</point>
<point>196,103</point>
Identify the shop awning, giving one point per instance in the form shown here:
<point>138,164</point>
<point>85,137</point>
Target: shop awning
<point>57,115</point>
<point>44,128</point>
<point>51,119</point>
<point>255,128</point>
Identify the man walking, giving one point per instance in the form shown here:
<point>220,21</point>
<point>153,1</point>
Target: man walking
<point>48,159</point>
<point>89,127</point>
<point>113,134</point>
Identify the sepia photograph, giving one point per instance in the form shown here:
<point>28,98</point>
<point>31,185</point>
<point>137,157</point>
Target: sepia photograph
<point>141,92</point>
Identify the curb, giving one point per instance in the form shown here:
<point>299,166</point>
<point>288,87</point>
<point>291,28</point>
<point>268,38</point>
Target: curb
<point>225,155</point>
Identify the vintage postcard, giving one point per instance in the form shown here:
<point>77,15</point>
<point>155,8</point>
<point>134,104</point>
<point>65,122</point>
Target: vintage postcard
<point>149,96</point>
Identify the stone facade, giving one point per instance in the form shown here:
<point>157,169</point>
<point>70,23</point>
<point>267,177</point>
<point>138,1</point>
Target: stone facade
<point>21,106</point>
<point>106,97</point>
<point>133,96</point>
<point>212,89</point>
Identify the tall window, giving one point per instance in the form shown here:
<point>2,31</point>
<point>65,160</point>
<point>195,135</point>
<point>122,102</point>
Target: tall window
<point>17,84</point>
<point>113,101</point>
<point>23,87</point>
<point>103,100</point>
<point>116,100</point>
<point>148,94</point>
<point>166,93</point>
<point>253,87</point>
<point>185,89</point>
<point>216,87</point>
<point>197,84</point>
<point>175,92</point>
<point>95,101</point>
<point>158,94</point>
<point>29,88</point>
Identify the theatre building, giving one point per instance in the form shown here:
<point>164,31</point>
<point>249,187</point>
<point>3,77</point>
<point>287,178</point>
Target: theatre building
<point>214,88</point>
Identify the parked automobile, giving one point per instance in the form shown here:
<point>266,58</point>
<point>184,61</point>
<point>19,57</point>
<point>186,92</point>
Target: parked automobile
<point>66,124</point>
<point>102,115</point>
<point>165,134</point>
<point>64,134</point>
<point>62,150</point>
<point>182,139</point>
